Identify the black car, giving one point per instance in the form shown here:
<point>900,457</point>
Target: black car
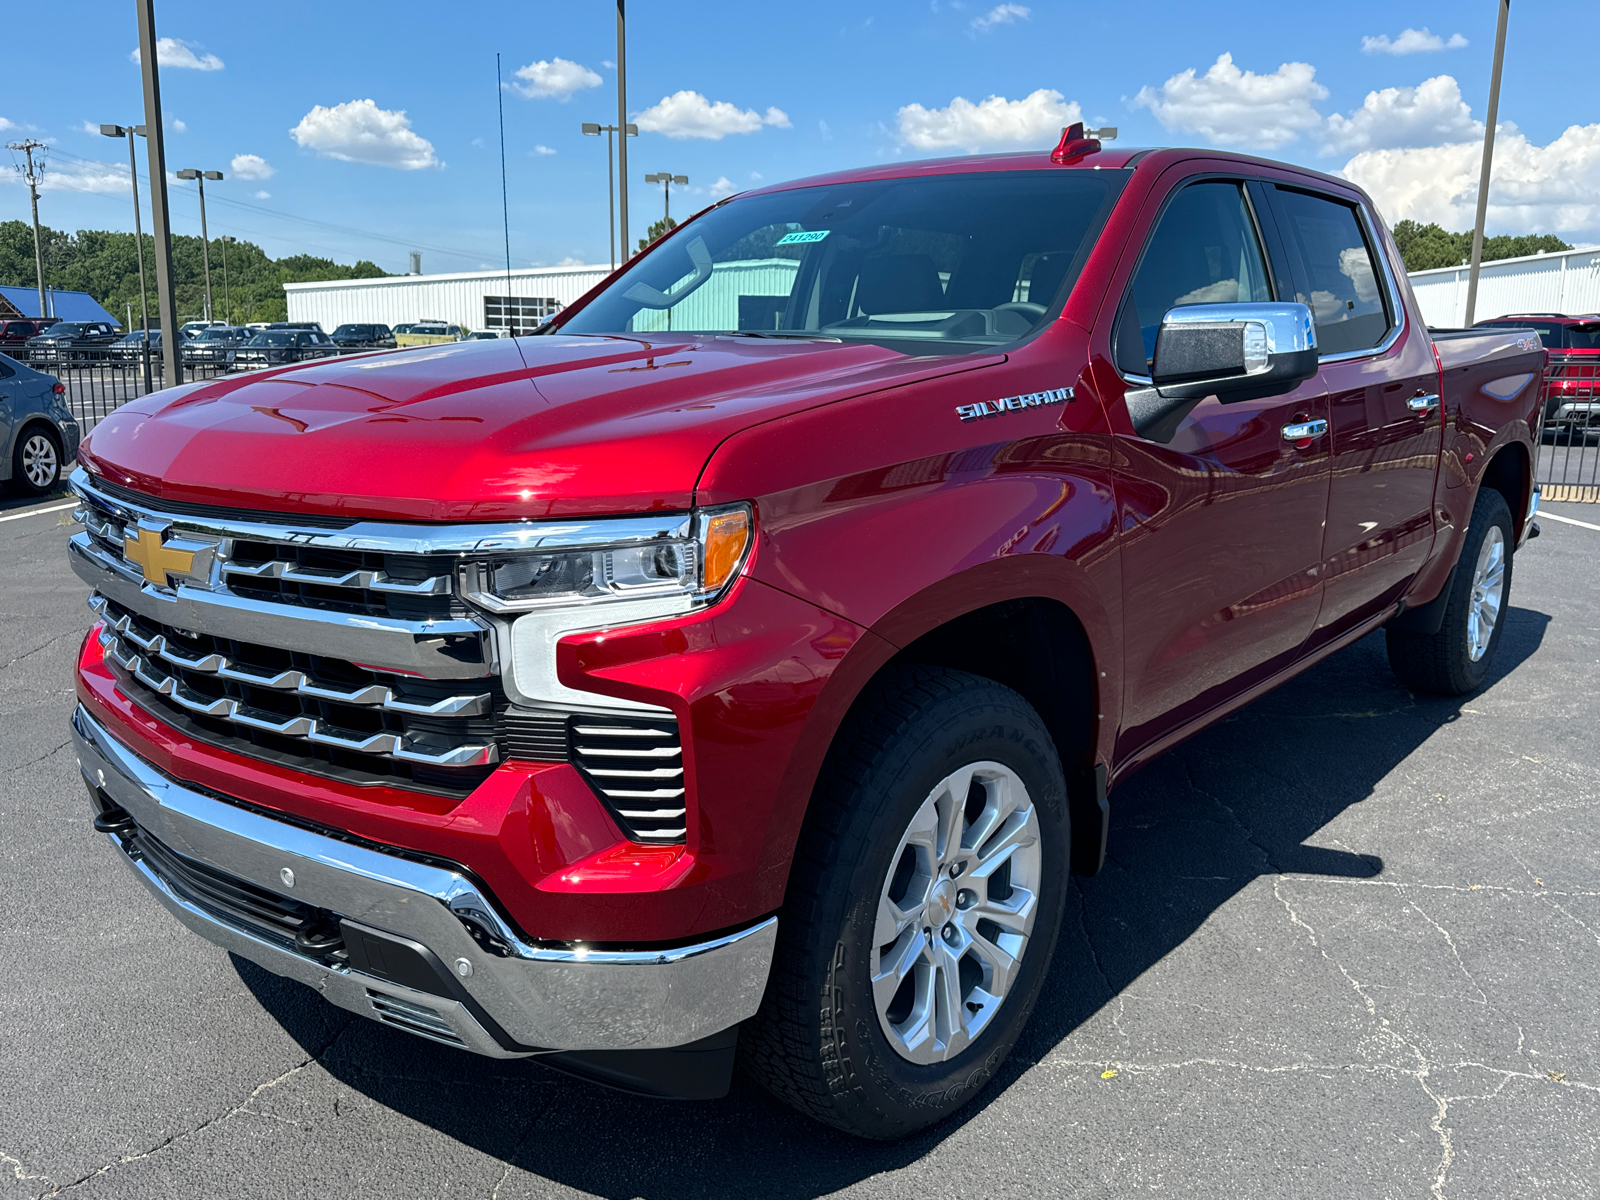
<point>277,347</point>
<point>363,337</point>
<point>129,348</point>
<point>212,345</point>
<point>72,341</point>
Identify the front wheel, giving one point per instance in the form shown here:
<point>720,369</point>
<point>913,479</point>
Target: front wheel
<point>36,462</point>
<point>1456,659</point>
<point>923,909</point>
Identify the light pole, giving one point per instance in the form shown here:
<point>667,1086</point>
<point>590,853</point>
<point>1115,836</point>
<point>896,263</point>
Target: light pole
<point>622,120</point>
<point>666,179</point>
<point>1488,157</point>
<point>128,131</point>
<point>205,241</point>
<point>592,129</point>
<point>160,225</point>
<point>226,303</point>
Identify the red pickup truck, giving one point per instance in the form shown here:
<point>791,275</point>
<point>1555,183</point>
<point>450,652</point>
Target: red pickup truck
<point>744,662</point>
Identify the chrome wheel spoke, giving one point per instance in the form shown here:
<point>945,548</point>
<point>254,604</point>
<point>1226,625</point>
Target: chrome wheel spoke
<point>1016,831</point>
<point>1488,593</point>
<point>949,1004</point>
<point>897,965</point>
<point>893,918</point>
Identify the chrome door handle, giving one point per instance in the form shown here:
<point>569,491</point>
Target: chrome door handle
<point>1304,431</point>
<point>1423,404</point>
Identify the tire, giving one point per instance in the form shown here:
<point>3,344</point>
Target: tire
<point>884,1063</point>
<point>1456,660</point>
<point>36,461</point>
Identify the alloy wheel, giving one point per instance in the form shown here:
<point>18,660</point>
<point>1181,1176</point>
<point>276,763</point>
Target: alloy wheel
<point>956,912</point>
<point>40,464</point>
<point>1488,590</point>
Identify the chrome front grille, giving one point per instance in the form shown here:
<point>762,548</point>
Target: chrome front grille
<point>435,732</point>
<point>635,764</point>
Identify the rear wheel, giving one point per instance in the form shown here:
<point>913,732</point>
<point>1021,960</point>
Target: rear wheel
<point>36,462</point>
<point>923,908</point>
<point>1457,658</point>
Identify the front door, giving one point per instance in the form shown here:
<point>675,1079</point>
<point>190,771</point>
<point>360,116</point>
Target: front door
<point>1383,387</point>
<point>1222,524</point>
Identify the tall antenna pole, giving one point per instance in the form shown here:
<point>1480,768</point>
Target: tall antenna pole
<point>505,209</point>
<point>1488,159</point>
<point>622,125</point>
<point>160,223</point>
<point>32,176</point>
<point>611,196</point>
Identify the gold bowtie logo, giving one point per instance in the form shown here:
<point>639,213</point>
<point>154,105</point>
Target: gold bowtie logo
<point>157,559</point>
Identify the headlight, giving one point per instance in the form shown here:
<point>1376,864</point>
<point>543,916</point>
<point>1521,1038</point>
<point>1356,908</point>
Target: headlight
<point>692,558</point>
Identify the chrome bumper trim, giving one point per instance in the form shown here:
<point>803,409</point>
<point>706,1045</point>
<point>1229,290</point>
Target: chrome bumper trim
<point>561,998</point>
<point>384,643</point>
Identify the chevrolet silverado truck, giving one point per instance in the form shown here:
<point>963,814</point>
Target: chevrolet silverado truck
<point>741,664</point>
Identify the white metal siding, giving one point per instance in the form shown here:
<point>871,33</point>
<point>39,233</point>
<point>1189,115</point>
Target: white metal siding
<point>715,304</point>
<point>456,299</point>
<point>1566,282</point>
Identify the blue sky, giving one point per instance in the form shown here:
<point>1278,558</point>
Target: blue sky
<point>372,130</point>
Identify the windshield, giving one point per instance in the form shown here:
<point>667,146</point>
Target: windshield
<point>271,339</point>
<point>215,335</point>
<point>945,263</point>
<point>64,329</point>
<point>353,331</point>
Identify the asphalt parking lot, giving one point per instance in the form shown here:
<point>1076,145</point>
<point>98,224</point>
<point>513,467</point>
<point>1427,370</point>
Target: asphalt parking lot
<point>1347,945</point>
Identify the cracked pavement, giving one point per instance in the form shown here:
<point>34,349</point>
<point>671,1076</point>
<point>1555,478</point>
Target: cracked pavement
<point>1347,944</point>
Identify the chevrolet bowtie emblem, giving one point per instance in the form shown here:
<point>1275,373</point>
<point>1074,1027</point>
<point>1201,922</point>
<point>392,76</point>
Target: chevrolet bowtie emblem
<point>157,559</point>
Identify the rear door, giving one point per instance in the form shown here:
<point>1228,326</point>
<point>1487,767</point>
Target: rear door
<point>1221,523</point>
<point>1383,403</point>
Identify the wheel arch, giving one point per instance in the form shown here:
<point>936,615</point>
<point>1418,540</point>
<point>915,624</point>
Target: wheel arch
<point>1510,472</point>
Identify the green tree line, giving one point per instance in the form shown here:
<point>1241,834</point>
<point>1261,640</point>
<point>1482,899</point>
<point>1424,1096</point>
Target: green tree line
<point>106,266</point>
<point>1424,247</point>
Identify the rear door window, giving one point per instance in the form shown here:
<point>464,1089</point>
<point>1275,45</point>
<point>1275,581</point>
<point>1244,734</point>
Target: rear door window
<point>1337,274</point>
<point>1204,251</point>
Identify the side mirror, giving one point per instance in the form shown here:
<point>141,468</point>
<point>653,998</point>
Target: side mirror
<point>1231,351</point>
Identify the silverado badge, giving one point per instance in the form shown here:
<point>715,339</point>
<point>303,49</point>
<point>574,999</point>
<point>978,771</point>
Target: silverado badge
<point>993,408</point>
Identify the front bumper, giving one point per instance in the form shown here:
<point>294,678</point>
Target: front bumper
<point>479,985</point>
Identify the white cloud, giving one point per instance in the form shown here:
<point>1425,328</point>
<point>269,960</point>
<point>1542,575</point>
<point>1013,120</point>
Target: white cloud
<point>691,115</point>
<point>107,179</point>
<point>1411,41</point>
<point>5,124</point>
<point>85,127</point>
<point>1431,113</point>
<point>723,187</point>
<point>557,79</point>
<point>263,195</point>
<point>608,64</point>
<point>1230,107</point>
<point>827,133</point>
<point>1036,120</point>
<point>1001,14</point>
<point>360,131</point>
<point>178,126</point>
<point>1534,189</point>
<point>171,52</point>
<point>252,166</point>
<point>542,151</point>
<point>569,261</point>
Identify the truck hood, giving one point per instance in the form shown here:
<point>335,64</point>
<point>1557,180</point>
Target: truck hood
<point>548,426</point>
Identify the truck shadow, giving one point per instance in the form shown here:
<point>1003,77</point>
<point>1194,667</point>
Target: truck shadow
<point>1189,832</point>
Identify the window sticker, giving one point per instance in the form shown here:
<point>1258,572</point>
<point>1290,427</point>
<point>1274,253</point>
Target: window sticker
<point>803,235</point>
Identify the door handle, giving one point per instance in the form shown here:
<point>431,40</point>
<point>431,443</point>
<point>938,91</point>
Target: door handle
<point>1422,404</point>
<point>1305,431</point>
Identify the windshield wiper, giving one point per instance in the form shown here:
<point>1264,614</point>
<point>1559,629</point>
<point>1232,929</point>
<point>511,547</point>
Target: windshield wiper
<point>807,334</point>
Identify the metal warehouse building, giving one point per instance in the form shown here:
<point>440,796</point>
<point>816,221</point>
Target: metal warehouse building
<point>471,299</point>
<point>1565,282</point>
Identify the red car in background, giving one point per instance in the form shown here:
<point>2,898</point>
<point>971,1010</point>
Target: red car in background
<point>1572,392</point>
<point>16,332</point>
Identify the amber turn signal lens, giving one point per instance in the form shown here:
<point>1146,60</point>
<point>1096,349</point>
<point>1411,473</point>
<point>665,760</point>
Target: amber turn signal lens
<point>727,534</point>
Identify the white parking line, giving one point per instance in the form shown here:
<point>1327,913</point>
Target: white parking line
<point>34,512</point>
<point>1550,516</point>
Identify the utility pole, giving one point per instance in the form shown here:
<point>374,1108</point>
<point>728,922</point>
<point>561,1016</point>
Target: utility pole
<point>33,175</point>
<point>205,239</point>
<point>226,303</point>
<point>160,219</point>
<point>622,120</point>
<point>591,129</point>
<point>130,132</point>
<point>666,179</point>
<point>1488,159</point>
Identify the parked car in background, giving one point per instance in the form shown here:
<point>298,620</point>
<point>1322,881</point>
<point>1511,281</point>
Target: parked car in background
<point>317,325</point>
<point>405,327</point>
<point>38,432</point>
<point>482,335</point>
<point>1572,378</point>
<point>430,333</point>
<point>16,332</point>
<point>129,348</point>
<point>72,341</point>
<point>276,347</point>
<point>363,337</point>
<point>211,346</point>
